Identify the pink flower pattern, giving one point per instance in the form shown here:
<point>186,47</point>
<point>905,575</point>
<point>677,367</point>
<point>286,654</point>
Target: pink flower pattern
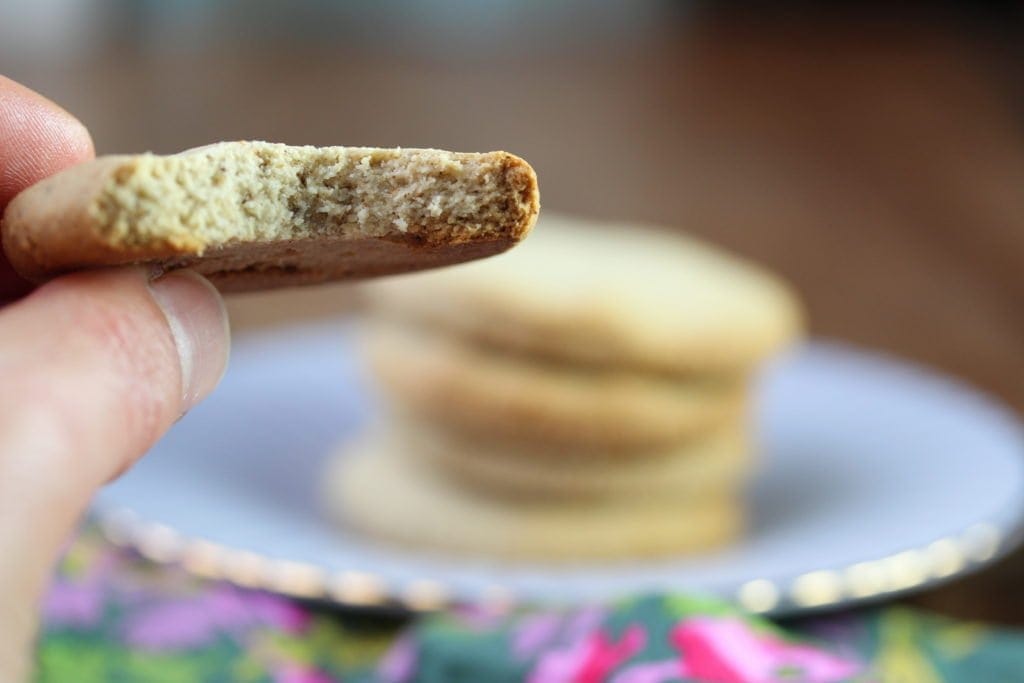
<point>590,659</point>
<point>74,604</point>
<point>729,651</point>
<point>535,632</point>
<point>297,673</point>
<point>399,663</point>
<point>180,624</point>
<point>715,650</point>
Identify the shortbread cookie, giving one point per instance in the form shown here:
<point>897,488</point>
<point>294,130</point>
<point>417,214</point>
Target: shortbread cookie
<point>716,463</point>
<point>256,215</point>
<point>389,496</point>
<point>509,397</point>
<point>617,295</point>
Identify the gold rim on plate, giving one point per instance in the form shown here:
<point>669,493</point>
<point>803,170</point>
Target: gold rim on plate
<point>938,561</point>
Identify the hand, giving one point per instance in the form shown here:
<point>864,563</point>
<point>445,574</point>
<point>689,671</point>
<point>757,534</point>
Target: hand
<point>94,367</point>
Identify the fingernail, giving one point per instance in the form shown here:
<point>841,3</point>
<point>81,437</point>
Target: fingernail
<point>199,324</point>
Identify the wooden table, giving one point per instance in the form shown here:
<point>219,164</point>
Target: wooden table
<point>878,164</point>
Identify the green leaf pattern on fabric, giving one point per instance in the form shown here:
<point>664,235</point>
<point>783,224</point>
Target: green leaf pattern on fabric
<point>111,617</point>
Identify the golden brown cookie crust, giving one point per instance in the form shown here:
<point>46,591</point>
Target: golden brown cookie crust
<point>254,215</point>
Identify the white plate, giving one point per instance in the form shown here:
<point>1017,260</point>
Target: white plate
<point>878,477</point>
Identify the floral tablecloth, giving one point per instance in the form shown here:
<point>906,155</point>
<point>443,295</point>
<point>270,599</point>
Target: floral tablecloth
<point>113,617</point>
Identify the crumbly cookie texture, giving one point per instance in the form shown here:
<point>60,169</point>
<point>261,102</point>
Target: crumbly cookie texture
<point>244,205</point>
<point>266,192</point>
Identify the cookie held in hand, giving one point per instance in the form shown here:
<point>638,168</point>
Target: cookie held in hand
<point>258,215</point>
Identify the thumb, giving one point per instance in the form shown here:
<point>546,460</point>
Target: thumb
<point>94,367</point>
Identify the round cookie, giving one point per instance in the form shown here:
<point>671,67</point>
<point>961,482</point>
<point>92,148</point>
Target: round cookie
<point>609,295</point>
<point>506,397</point>
<point>717,462</point>
<point>383,493</point>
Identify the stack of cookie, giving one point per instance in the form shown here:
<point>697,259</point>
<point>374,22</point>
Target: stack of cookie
<point>582,397</point>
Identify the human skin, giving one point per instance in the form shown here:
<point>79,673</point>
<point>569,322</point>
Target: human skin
<point>94,367</point>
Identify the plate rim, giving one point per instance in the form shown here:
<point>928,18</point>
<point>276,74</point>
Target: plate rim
<point>941,560</point>
<point>915,568</point>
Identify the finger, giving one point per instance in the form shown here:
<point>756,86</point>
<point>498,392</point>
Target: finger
<point>37,139</point>
<point>94,367</point>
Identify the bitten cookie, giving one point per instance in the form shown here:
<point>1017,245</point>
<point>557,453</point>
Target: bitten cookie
<point>508,397</point>
<point>621,296</point>
<point>711,465</point>
<point>390,496</point>
<point>257,215</point>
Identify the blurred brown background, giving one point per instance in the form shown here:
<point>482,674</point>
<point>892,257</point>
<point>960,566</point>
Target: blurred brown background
<point>875,158</point>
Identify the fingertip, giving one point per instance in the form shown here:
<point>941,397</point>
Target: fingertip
<point>37,138</point>
<point>70,137</point>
